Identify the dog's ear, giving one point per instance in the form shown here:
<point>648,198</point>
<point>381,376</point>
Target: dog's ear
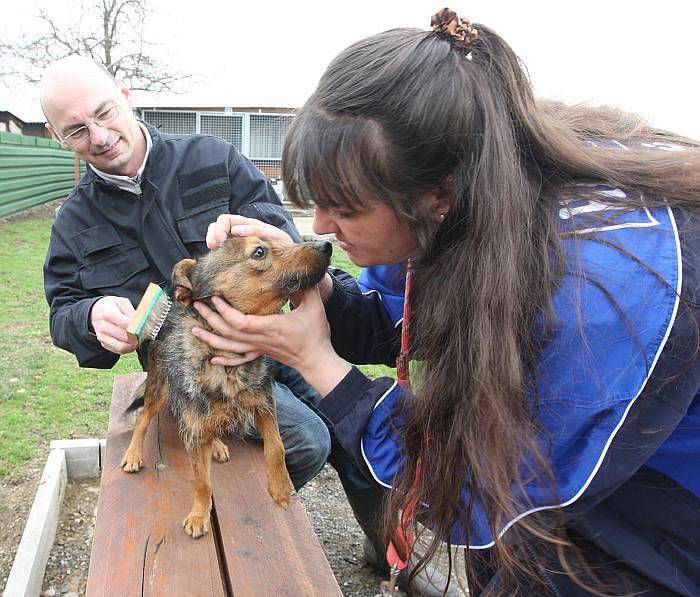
<point>182,273</point>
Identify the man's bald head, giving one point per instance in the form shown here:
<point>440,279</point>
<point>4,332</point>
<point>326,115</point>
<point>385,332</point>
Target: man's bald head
<point>74,72</point>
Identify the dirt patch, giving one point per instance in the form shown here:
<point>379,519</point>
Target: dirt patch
<point>45,211</point>
<point>340,536</point>
<point>69,560</point>
<point>16,497</point>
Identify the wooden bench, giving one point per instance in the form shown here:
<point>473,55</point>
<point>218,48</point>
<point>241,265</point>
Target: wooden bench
<point>140,549</point>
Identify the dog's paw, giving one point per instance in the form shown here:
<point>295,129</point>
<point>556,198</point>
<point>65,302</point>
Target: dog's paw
<point>196,526</point>
<point>220,451</point>
<point>132,462</point>
<point>281,490</point>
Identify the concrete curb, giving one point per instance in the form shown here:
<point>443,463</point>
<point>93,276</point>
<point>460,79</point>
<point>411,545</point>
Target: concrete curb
<point>67,458</point>
<point>83,456</point>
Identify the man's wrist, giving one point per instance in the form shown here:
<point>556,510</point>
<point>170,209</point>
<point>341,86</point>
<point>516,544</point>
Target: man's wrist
<point>90,327</point>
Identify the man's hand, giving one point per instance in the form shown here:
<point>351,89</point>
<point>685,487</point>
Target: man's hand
<point>109,317</point>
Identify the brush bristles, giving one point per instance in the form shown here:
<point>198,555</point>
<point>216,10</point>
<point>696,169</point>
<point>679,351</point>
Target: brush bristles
<point>150,314</point>
<point>157,318</point>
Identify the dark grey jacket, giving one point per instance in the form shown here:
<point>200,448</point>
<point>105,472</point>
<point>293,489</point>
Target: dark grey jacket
<point>107,241</point>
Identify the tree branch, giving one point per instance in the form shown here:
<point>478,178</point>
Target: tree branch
<point>108,31</point>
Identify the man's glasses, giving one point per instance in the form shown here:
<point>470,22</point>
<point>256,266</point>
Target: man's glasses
<point>81,134</point>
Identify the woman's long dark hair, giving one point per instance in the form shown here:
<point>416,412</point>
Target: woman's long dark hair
<point>404,112</point>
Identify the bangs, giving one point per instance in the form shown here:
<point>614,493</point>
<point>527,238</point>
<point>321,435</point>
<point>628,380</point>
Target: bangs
<point>335,161</point>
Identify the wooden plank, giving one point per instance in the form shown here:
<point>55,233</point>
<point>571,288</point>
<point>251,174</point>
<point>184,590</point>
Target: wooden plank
<point>267,550</point>
<point>139,547</point>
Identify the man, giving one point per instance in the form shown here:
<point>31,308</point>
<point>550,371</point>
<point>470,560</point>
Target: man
<point>143,204</point>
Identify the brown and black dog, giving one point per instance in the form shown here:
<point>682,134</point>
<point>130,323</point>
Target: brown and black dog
<point>206,400</point>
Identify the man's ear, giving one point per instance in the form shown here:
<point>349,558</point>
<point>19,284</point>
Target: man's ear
<point>126,92</point>
<point>182,273</point>
<point>51,130</point>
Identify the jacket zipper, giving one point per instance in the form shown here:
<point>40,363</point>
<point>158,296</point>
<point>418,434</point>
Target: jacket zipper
<point>545,574</point>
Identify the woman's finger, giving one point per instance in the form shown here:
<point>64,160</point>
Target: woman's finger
<point>229,224</point>
<point>250,325</point>
<point>221,342</point>
<point>235,219</point>
<point>213,318</point>
<point>216,235</point>
<point>309,300</point>
<point>235,361</point>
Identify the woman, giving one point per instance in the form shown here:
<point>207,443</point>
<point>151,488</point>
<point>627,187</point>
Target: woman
<point>553,313</point>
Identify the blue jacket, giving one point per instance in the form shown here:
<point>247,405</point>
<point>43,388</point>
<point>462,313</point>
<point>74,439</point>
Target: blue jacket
<point>617,386</point>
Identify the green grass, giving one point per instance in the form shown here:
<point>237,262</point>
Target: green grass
<point>44,395</point>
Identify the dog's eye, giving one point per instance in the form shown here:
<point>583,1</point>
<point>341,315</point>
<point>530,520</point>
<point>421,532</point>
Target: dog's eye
<point>259,253</point>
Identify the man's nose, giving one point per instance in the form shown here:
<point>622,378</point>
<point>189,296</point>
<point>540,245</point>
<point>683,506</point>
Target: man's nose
<point>98,134</point>
<point>323,223</point>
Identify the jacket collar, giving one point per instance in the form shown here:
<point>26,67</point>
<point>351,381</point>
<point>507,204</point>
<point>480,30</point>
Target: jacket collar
<point>152,154</point>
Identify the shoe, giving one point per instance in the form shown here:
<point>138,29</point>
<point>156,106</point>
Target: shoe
<point>429,582</point>
<point>366,507</point>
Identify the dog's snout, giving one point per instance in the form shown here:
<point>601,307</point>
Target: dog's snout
<point>324,247</point>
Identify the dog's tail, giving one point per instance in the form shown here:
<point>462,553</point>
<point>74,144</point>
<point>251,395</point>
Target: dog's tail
<point>138,397</point>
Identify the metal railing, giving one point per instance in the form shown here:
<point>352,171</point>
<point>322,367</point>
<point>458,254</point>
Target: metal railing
<point>258,136</point>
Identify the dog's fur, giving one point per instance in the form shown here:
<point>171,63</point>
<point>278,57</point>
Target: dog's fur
<point>206,400</point>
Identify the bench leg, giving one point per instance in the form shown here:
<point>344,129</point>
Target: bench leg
<point>197,522</point>
<point>278,483</point>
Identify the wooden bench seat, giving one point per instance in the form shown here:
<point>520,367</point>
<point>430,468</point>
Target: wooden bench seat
<point>140,549</point>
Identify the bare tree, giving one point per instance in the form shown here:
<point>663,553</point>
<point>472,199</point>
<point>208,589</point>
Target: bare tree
<point>109,31</point>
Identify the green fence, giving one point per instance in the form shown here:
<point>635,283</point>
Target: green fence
<point>33,170</point>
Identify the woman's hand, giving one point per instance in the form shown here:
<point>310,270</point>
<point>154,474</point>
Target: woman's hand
<point>227,224</point>
<point>300,338</point>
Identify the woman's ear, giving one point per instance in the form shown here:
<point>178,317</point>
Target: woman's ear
<point>440,199</point>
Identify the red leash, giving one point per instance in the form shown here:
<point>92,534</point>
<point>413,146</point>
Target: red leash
<point>402,373</point>
<point>404,535</point>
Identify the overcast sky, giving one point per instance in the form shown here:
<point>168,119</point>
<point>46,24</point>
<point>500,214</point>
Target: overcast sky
<point>638,55</point>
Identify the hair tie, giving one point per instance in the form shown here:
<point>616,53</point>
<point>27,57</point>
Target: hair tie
<point>459,32</point>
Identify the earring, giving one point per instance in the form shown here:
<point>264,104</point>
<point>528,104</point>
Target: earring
<point>442,217</point>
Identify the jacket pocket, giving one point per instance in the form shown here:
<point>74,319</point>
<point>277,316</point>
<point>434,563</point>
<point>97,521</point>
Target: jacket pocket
<point>113,270</point>
<point>192,226</point>
<point>97,238</point>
